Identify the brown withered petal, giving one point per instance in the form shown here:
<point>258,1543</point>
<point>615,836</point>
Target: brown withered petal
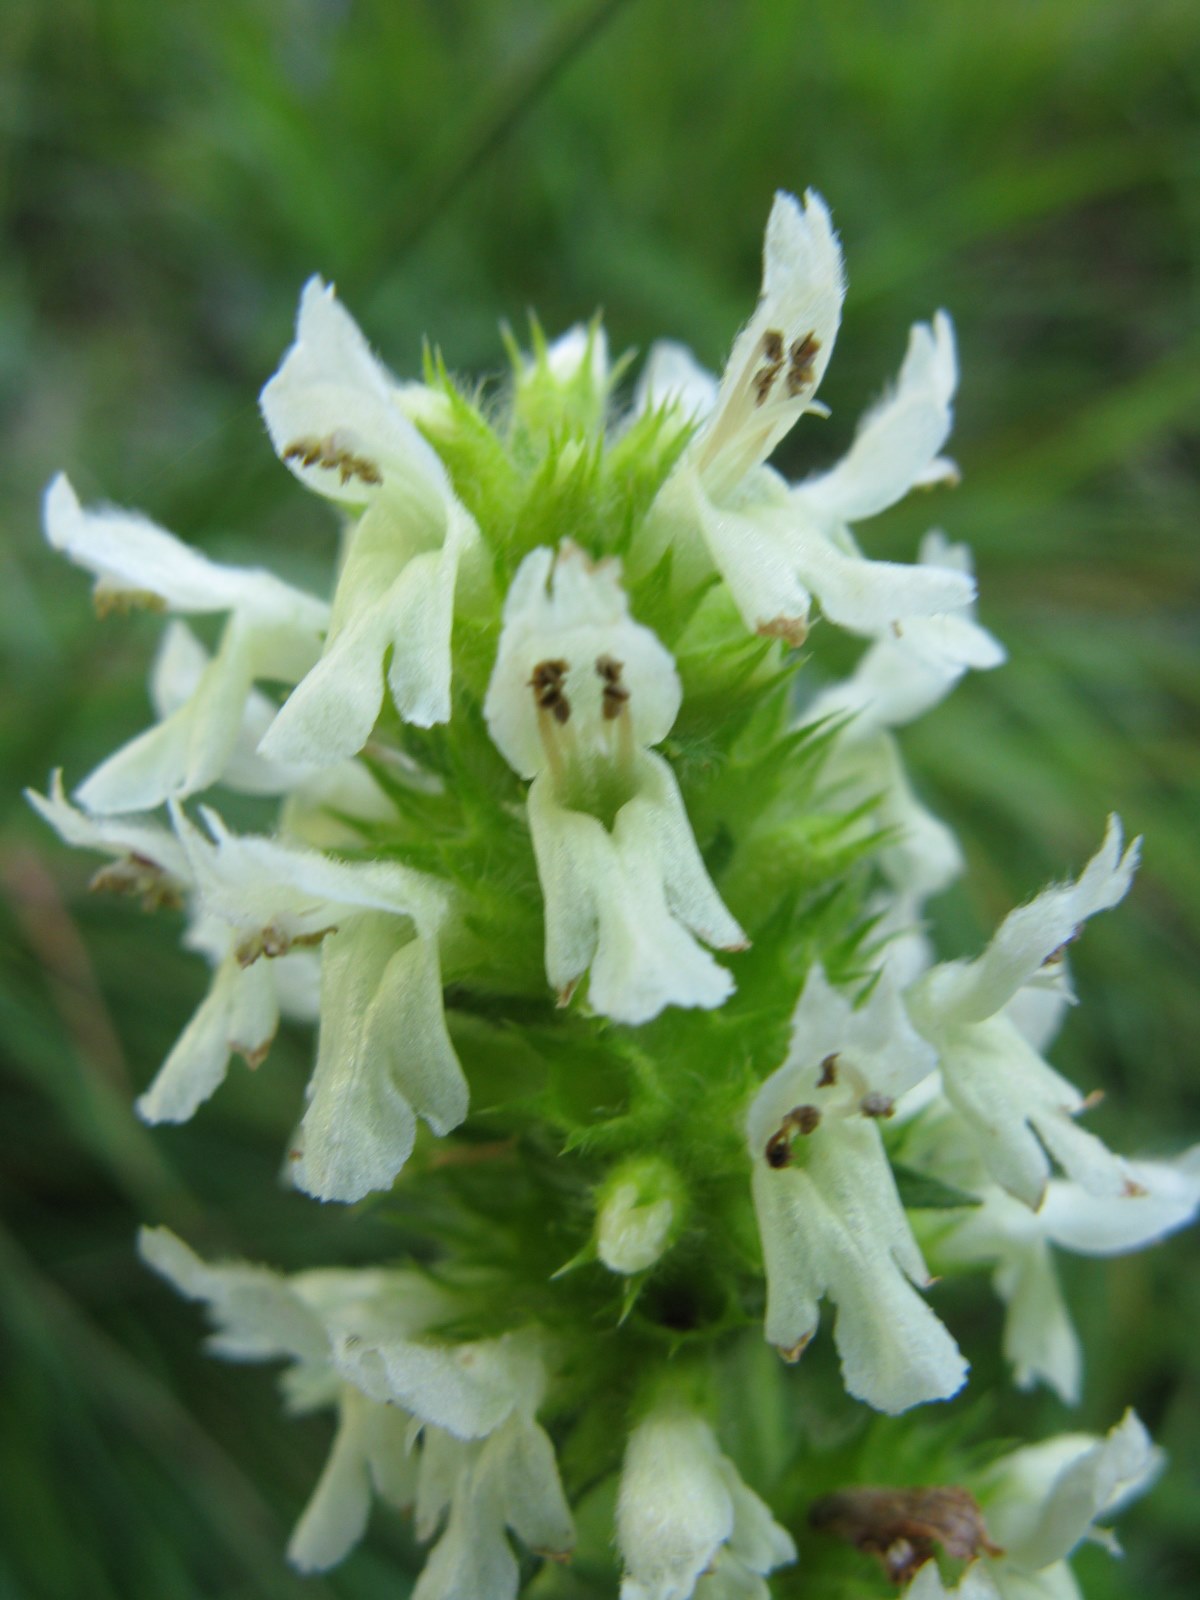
<point>901,1527</point>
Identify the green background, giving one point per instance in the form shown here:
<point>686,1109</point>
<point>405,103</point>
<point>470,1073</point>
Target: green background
<point>169,175</point>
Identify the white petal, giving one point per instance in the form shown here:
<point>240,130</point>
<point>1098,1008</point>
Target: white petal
<point>729,1579</point>
<point>835,1225</point>
<point>178,670</point>
<point>673,376</point>
<point>519,1458</point>
<point>1039,1339</point>
<point>331,712</point>
<point>675,1510</point>
<point>240,1012</point>
<point>254,884</point>
<point>133,558</point>
<point>1166,1197</point>
<point>178,666</point>
<point>1028,937</point>
<point>138,837</point>
<point>656,823</point>
<point>566,356</point>
<point>1004,1091</point>
<point>775,558</point>
<point>899,438</point>
<point>564,607</point>
<point>1057,1491</point>
<point>331,393</point>
<point>395,594</point>
<point>976,1583</point>
<point>335,1517</point>
<point>390,1456</point>
<point>921,856</point>
<point>753,554</point>
<point>257,1315</point>
<point>383,1057</point>
<point>869,597</point>
<point>472,1560</point>
<point>192,747</point>
<point>606,907</point>
<point>906,672</point>
<point>1037,1013</point>
<point>764,389</point>
<point>757,1540</point>
<point>467,1389</point>
<point>877,1042</point>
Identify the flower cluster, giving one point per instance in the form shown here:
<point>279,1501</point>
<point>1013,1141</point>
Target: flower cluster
<point>607,905</point>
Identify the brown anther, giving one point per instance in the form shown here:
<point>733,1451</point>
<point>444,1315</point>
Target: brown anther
<point>547,686</point>
<point>791,1353</point>
<point>800,1119</point>
<point>875,1104</point>
<point>561,1558</point>
<point>141,878</point>
<point>778,1150</point>
<point>108,601</point>
<point>829,1071</point>
<point>792,630</point>
<point>615,695</point>
<point>800,364</point>
<point>805,1119</point>
<point>255,1058</point>
<point>328,454</point>
<point>273,941</point>
<point>764,378</point>
<point>901,1527</point>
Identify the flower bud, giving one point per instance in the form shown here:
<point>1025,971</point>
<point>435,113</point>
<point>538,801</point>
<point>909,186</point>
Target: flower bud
<point>638,1214</point>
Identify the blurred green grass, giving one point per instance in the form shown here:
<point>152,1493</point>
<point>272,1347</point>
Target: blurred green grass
<point>169,175</point>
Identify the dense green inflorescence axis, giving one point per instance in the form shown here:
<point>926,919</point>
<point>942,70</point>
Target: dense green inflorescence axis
<point>607,901</point>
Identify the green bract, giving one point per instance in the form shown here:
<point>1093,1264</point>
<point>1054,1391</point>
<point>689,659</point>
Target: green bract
<point>607,903</point>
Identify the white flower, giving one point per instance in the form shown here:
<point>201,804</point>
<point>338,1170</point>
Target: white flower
<point>359,1340</point>
<point>780,356</point>
<point>683,1508</point>
<point>1042,1502</point>
<point>829,1216</point>
<point>273,632</point>
<point>898,439</point>
<point>1016,1106</point>
<point>578,692</point>
<point>240,1013</point>
<point>777,548</point>
<point>510,1481</point>
<point>148,859</point>
<point>177,675</point>
<point>1039,1339</point>
<point>336,418</point>
<point>383,1055</point>
<point>485,1391</point>
<point>906,672</point>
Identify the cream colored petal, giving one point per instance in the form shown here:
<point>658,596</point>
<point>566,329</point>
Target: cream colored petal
<point>132,559</point>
